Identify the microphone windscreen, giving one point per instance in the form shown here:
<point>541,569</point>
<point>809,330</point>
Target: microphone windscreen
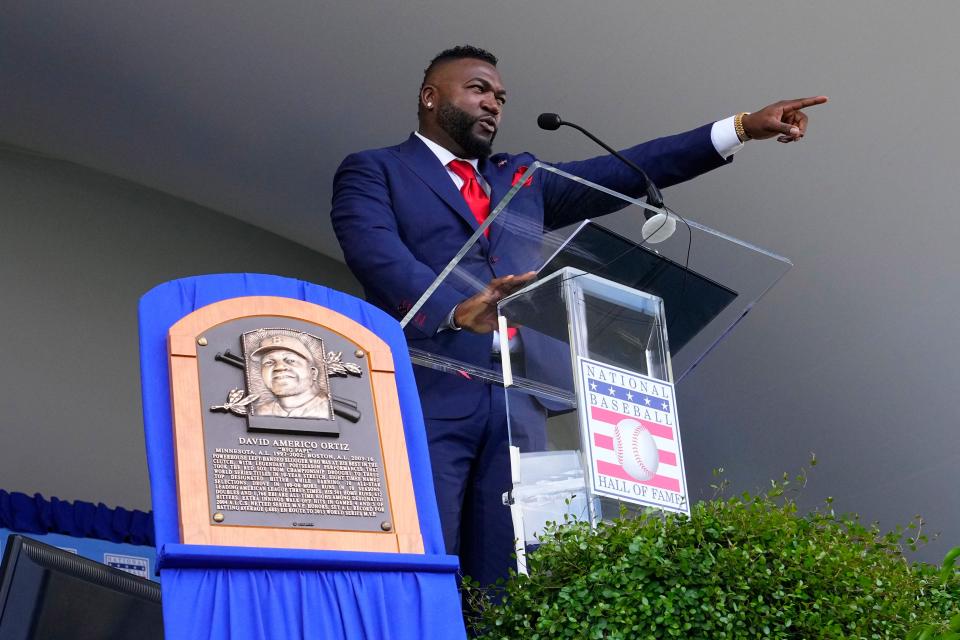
<point>549,121</point>
<point>659,228</point>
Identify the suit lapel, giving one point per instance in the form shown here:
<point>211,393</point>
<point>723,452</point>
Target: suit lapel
<point>496,177</point>
<point>419,159</point>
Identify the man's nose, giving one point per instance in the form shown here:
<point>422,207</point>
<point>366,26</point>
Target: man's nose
<point>491,104</point>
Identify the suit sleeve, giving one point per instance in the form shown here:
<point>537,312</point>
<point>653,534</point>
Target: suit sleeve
<point>366,226</point>
<point>668,161</point>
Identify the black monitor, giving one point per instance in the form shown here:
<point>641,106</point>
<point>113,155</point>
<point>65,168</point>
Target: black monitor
<point>691,299</point>
<point>47,593</point>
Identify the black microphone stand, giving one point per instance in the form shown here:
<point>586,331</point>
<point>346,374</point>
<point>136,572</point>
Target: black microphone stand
<point>552,122</point>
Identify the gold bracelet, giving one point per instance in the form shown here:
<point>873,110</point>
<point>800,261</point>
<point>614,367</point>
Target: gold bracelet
<point>738,126</point>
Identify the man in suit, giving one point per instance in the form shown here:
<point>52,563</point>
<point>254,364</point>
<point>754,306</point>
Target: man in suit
<point>402,212</point>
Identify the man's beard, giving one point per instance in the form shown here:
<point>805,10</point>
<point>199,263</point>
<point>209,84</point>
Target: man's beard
<point>459,126</point>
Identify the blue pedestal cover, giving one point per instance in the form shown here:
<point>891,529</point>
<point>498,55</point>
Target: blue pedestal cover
<point>238,593</point>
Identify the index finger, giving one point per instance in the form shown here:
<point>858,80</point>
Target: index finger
<point>803,103</point>
<point>508,284</point>
<point>513,277</point>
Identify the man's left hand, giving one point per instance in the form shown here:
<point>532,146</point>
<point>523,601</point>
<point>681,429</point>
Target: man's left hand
<point>783,119</point>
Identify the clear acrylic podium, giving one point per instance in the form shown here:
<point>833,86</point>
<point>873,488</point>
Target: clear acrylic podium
<point>591,350</point>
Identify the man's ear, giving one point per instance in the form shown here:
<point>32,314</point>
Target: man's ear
<point>428,96</point>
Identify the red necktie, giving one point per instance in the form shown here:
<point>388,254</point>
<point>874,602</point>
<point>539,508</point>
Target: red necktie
<point>477,199</point>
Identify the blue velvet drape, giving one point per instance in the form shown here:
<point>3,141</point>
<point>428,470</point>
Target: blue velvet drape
<point>36,514</point>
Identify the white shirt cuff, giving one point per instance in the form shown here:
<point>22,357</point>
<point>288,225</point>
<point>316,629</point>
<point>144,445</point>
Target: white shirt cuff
<point>449,325</point>
<point>724,137</point>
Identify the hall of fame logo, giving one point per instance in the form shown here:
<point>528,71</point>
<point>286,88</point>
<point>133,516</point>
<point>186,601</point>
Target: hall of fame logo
<point>137,565</point>
<point>634,440</point>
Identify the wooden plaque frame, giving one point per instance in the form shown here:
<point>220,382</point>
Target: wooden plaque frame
<point>189,453</point>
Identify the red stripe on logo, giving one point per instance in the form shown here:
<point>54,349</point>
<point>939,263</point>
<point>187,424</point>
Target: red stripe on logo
<point>612,417</point>
<point>606,442</point>
<point>616,471</point>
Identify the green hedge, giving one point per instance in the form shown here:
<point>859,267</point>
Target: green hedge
<point>744,567</point>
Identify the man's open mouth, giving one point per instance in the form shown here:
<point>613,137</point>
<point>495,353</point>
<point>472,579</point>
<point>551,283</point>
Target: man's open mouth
<point>488,124</point>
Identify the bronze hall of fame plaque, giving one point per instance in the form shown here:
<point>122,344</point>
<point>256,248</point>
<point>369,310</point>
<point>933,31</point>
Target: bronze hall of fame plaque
<point>291,437</point>
<point>285,451</point>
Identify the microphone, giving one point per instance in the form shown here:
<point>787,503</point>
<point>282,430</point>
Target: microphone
<point>549,121</point>
<point>552,122</point>
<point>660,227</point>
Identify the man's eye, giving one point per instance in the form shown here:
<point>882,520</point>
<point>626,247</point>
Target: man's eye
<point>268,363</point>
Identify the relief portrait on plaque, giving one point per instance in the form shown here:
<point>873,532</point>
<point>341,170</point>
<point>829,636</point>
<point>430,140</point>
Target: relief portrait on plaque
<point>287,374</point>
<point>288,378</point>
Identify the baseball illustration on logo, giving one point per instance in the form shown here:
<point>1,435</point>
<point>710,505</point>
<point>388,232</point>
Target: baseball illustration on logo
<point>636,451</point>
